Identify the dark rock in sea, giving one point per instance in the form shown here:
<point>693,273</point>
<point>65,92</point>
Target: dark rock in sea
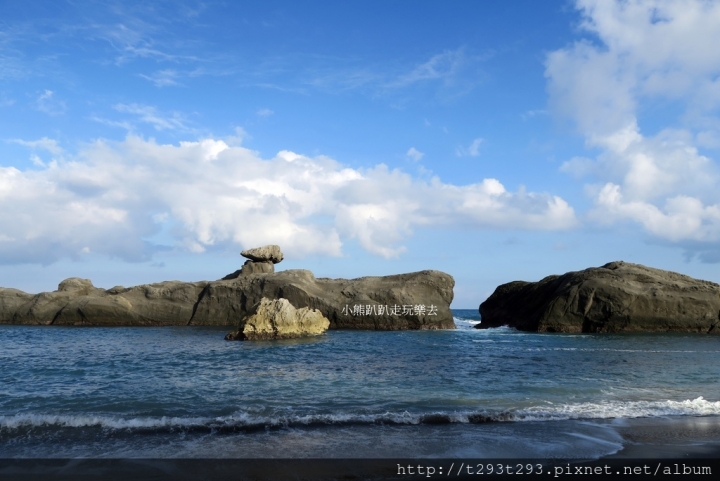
<point>617,297</point>
<point>419,300</point>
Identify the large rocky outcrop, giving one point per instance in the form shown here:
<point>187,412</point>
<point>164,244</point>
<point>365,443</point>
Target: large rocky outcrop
<point>419,300</point>
<point>617,297</point>
<point>278,319</point>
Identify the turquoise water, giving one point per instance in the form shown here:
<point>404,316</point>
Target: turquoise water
<point>184,391</point>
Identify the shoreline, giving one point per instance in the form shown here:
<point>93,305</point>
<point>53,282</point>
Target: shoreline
<point>690,437</point>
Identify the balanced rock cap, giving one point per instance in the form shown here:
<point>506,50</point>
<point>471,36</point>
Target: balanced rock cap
<point>263,254</point>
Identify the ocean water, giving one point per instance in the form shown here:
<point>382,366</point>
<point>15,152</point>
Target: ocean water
<point>172,392</point>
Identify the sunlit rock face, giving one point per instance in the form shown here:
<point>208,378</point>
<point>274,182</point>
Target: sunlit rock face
<point>278,319</point>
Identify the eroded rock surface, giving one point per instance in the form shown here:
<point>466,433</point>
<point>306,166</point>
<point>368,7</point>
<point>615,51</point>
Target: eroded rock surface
<point>271,253</point>
<point>278,319</point>
<point>419,300</point>
<point>257,267</point>
<point>617,297</point>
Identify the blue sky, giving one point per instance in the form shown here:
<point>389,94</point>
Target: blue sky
<point>495,141</point>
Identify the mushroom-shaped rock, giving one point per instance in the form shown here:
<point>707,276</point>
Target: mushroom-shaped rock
<point>271,253</point>
<point>278,319</point>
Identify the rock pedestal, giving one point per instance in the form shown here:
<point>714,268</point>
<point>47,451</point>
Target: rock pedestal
<point>278,319</point>
<point>252,267</point>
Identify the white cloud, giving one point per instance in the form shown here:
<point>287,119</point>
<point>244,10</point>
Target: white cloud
<point>47,102</point>
<point>265,113</point>
<point>114,123</point>
<point>445,66</point>
<point>414,154</point>
<point>134,38</point>
<point>645,51</point>
<point>681,218</point>
<point>110,196</point>
<point>45,143</point>
<point>162,78</point>
<point>648,48</point>
<point>473,150</point>
<point>159,120</point>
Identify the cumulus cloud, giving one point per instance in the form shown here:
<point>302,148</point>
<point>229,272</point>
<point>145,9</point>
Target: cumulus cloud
<point>643,51</point>
<point>110,196</point>
<point>681,217</point>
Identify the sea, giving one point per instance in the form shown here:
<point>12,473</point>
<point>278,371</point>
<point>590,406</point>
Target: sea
<point>185,392</point>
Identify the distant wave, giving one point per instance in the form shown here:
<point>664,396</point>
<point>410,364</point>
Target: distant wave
<point>243,422</point>
<point>462,320</point>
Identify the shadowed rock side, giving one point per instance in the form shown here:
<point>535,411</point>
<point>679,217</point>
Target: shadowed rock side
<point>226,302</point>
<point>617,297</point>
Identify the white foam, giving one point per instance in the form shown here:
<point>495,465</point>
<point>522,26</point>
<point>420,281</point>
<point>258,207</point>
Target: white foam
<point>79,421</point>
<point>622,409</point>
<point>548,412</point>
<point>471,322</point>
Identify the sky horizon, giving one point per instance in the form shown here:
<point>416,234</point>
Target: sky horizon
<point>494,141</point>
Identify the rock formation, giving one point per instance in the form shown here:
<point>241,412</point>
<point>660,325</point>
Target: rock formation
<point>261,260</point>
<point>617,297</point>
<point>278,319</point>
<point>419,300</point>
<point>254,267</point>
<point>271,253</point>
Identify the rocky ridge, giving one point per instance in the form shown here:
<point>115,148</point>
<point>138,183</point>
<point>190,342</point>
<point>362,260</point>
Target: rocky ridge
<point>617,297</point>
<point>419,300</point>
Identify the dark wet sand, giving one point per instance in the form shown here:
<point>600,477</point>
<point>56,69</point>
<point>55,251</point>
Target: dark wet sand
<point>669,438</point>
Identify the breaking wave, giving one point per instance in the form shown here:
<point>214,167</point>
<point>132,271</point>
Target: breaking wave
<point>243,422</point>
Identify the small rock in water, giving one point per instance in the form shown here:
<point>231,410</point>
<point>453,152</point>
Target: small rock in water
<point>278,319</point>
